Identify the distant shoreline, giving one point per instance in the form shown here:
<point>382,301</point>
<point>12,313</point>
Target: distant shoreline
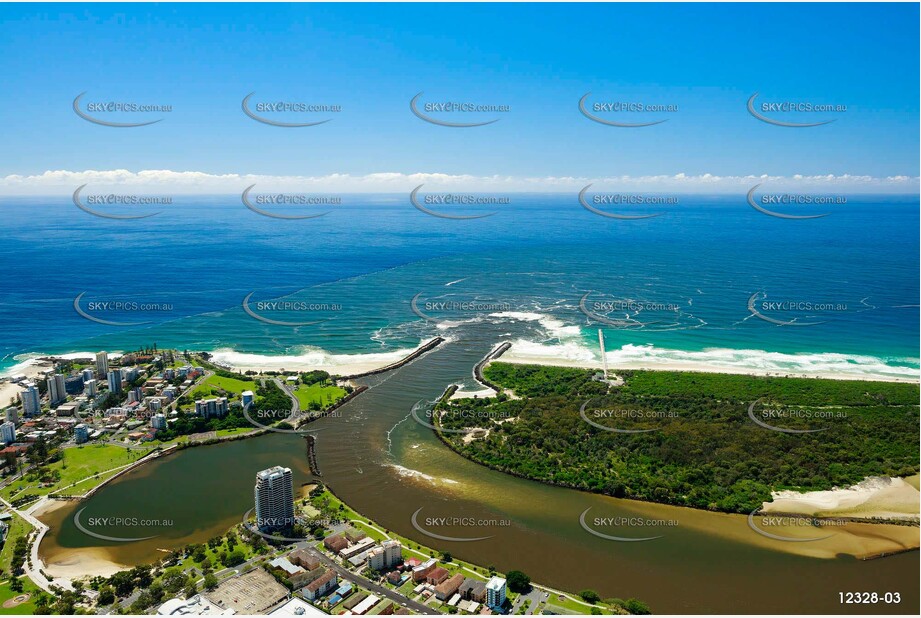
<point>519,358</point>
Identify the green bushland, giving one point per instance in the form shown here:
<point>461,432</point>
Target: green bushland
<point>271,404</point>
<point>704,450</point>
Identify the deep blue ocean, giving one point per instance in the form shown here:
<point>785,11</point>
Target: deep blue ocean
<point>671,288</point>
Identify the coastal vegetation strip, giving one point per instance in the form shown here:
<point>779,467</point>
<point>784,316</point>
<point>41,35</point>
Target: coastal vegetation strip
<point>693,442</point>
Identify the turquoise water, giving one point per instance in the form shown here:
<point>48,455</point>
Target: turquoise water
<point>672,288</point>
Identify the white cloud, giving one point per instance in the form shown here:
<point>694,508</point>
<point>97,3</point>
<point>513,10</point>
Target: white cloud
<point>64,182</point>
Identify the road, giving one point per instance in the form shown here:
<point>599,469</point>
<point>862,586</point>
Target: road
<point>33,565</point>
<point>295,404</point>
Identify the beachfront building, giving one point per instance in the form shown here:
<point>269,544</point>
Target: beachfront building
<point>12,415</point>
<point>56,392</point>
<point>495,592</point>
<point>7,433</point>
<point>31,402</point>
<point>73,385</point>
<point>274,496</point>
<point>102,364</point>
<point>115,380</point>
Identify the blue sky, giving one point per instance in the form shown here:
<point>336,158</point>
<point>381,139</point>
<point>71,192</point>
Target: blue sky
<point>537,59</point>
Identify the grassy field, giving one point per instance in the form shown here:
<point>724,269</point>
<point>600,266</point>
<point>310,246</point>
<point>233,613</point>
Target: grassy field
<point>214,384</point>
<point>79,463</point>
<point>18,528</point>
<point>324,394</point>
<point>6,594</point>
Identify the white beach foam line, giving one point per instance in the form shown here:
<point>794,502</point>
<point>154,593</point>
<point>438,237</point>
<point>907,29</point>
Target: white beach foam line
<point>826,365</point>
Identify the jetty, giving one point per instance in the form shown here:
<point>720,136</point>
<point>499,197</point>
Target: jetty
<point>498,351</point>
<point>426,347</point>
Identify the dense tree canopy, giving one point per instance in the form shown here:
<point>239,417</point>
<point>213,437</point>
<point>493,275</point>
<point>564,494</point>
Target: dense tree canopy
<point>701,448</point>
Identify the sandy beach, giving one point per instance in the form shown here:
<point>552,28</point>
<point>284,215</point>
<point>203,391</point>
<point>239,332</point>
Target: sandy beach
<point>517,354</point>
<point>336,364</point>
<point>875,497</point>
<point>32,368</point>
<point>81,563</point>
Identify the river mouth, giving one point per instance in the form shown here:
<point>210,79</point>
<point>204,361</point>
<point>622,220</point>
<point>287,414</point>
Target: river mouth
<point>388,467</point>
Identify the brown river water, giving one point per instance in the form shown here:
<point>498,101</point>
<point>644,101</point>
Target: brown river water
<point>388,467</point>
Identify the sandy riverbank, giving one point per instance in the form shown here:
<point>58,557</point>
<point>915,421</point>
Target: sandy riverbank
<point>875,497</point>
<point>524,353</point>
<point>78,563</point>
<point>87,561</point>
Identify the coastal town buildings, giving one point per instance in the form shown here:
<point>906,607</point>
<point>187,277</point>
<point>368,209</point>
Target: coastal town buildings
<point>421,572</point>
<point>31,401</point>
<point>473,590</point>
<point>448,588</point>
<point>102,364</point>
<point>7,433</point>
<point>320,586</point>
<point>305,559</point>
<point>495,592</point>
<point>114,378</point>
<point>56,392</point>
<point>388,555</point>
<point>214,407</point>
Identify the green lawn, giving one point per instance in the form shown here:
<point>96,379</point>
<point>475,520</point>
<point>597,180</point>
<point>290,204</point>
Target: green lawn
<point>18,528</point>
<point>324,394</point>
<point>223,433</point>
<point>27,588</point>
<point>216,383</point>
<point>79,463</point>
